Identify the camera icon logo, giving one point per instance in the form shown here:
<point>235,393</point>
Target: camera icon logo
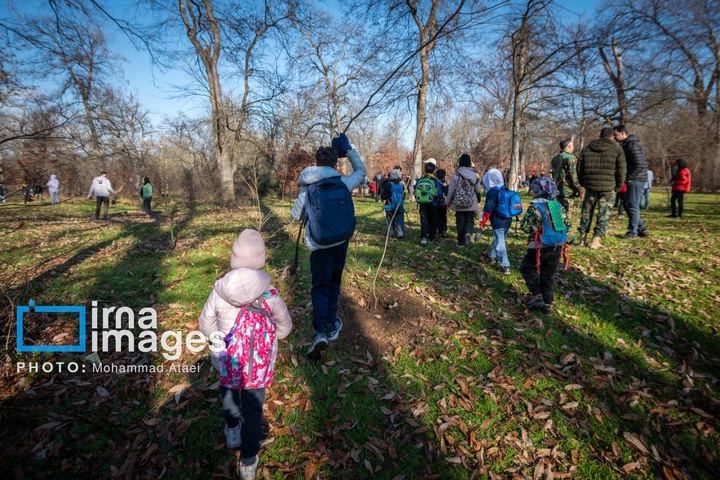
<point>21,311</point>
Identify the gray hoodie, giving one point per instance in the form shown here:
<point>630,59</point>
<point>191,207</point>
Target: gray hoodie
<point>468,173</point>
<point>313,174</point>
<point>101,187</point>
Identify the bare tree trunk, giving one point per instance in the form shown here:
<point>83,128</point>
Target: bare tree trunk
<point>209,53</point>
<point>420,120</point>
<point>618,80</point>
<point>519,41</point>
<point>426,31</point>
<point>515,166</point>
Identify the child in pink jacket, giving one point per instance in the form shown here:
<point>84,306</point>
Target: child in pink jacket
<point>245,284</point>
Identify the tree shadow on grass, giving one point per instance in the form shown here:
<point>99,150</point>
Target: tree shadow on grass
<point>94,423</point>
<point>644,378</point>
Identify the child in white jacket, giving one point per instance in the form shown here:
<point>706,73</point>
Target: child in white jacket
<point>243,285</point>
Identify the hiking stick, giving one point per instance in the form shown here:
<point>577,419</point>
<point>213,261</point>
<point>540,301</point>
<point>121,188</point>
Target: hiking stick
<point>382,258</point>
<point>294,267</point>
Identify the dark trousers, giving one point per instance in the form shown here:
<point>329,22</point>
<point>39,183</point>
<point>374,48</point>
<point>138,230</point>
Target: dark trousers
<point>244,406</point>
<point>442,218</point>
<point>326,267</point>
<point>677,199</point>
<point>146,205</point>
<point>102,201</point>
<point>544,283</point>
<point>465,223</point>
<point>620,203</point>
<point>428,221</point>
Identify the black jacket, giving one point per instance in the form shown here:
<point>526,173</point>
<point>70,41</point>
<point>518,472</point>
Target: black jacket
<point>637,165</point>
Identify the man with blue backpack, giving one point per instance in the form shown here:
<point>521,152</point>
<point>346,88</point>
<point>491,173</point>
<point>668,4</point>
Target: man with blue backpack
<point>547,223</point>
<point>394,195</point>
<point>428,193</point>
<point>326,204</point>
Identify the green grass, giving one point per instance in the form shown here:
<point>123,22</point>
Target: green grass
<point>472,384</point>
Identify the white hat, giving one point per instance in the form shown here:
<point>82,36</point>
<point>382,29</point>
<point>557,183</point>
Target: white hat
<point>431,160</point>
<point>248,251</point>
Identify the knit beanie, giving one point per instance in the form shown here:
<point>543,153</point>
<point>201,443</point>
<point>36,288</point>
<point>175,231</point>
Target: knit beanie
<point>395,174</point>
<point>248,251</point>
<point>464,160</point>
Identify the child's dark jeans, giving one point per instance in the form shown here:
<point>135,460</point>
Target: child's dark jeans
<point>543,284</point>
<point>428,221</point>
<point>244,406</point>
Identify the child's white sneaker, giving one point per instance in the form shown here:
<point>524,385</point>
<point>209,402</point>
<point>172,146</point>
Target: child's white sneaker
<point>232,436</point>
<point>247,472</point>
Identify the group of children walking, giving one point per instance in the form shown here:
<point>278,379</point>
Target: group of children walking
<point>251,316</point>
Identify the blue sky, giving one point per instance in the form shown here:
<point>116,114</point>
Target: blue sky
<point>155,88</point>
<point>158,98</point>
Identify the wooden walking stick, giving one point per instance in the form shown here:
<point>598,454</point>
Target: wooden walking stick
<point>294,266</point>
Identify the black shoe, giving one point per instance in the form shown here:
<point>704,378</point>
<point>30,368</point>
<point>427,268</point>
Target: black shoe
<point>547,309</point>
<point>670,216</point>
<point>504,270</point>
<point>536,303</point>
<point>643,233</point>
<point>629,236</point>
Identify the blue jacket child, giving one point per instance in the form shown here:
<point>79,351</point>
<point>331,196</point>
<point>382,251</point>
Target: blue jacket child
<point>492,181</point>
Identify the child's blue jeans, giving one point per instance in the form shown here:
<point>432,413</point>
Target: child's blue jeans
<point>398,223</point>
<point>498,248</point>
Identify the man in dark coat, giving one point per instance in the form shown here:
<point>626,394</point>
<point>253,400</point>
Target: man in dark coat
<point>636,178</point>
<point>601,171</point>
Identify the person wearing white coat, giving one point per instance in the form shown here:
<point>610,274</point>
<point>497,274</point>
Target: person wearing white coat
<point>245,283</point>
<point>54,189</point>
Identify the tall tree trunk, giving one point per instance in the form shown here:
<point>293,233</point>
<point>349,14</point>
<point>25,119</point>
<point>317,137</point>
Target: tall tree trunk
<point>421,118</point>
<point>209,53</point>
<point>515,167</point>
<point>519,41</point>
<point>426,34</point>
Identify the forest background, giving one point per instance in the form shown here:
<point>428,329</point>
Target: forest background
<point>503,81</point>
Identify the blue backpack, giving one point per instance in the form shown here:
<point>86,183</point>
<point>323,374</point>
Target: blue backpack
<point>397,198</point>
<point>509,203</point>
<point>554,231</point>
<point>330,211</point>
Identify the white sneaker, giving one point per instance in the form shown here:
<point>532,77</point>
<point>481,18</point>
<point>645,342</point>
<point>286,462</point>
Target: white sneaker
<point>232,436</point>
<point>247,472</point>
<point>334,331</point>
<point>320,343</point>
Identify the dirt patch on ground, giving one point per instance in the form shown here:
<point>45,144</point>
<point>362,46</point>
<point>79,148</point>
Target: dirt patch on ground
<point>396,322</point>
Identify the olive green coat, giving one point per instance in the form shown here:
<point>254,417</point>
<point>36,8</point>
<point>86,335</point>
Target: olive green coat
<point>602,166</point>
